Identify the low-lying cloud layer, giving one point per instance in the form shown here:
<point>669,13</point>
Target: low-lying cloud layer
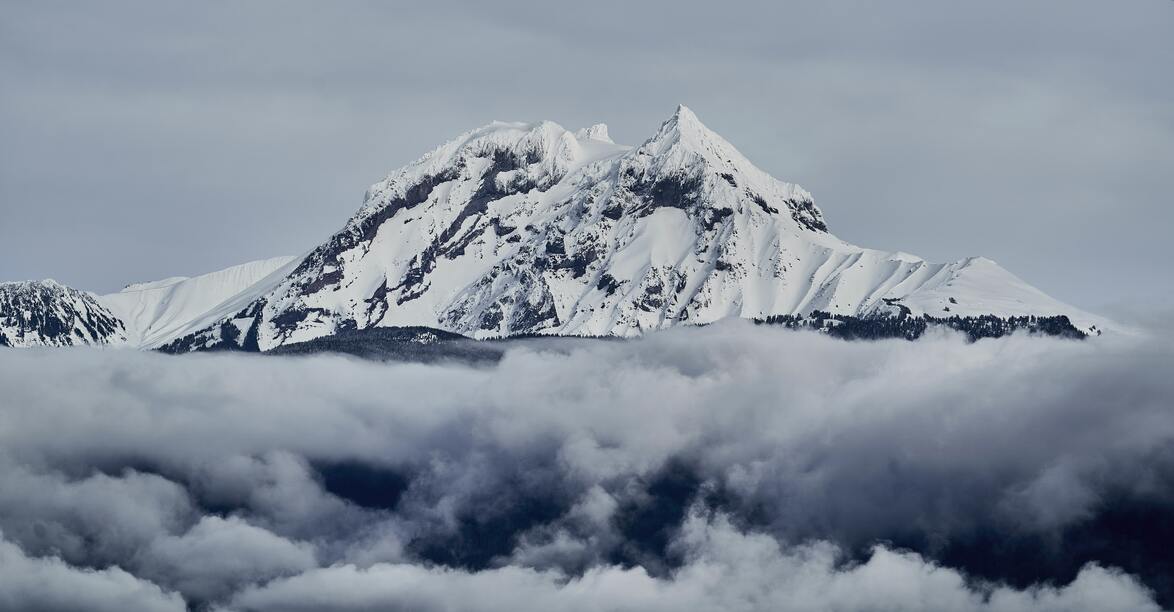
<point>732,467</point>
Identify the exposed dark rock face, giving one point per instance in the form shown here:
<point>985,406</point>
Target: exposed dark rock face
<point>674,191</point>
<point>322,268</point>
<point>712,218</point>
<point>451,243</point>
<point>537,314</point>
<point>287,321</point>
<point>377,304</point>
<point>224,337</point>
<point>766,208</point>
<point>491,319</point>
<point>806,214</point>
<point>608,283</point>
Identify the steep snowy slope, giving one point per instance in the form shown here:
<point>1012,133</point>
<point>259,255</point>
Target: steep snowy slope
<point>46,313</point>
<point>158,311</point>
<point>530,228</point>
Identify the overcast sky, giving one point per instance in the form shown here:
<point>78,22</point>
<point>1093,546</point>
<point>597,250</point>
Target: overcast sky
<point>141,140</point>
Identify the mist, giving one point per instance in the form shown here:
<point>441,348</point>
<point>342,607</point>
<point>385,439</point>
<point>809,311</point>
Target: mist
<point>731,467</point>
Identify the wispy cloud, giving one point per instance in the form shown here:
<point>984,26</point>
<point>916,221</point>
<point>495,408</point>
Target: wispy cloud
<point>727,467</point>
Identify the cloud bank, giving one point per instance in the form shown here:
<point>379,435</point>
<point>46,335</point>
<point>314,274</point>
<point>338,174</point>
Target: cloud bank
<point>732,467</point>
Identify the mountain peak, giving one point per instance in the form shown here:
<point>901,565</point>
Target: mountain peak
<point>685,116</point>
<point>684,125</point>
<point>683,141</point>
<point>684,147</point>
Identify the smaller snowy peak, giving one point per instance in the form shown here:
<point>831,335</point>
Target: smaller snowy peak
<point>595,132</point>
<point>47,313</point>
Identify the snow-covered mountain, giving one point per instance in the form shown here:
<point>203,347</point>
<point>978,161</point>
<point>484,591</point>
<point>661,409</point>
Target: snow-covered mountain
<point>47,313</point>
<point>518,228</point>
<point>531,228</point>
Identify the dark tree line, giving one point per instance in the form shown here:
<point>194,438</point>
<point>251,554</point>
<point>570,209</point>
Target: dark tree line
<point>880,326</point>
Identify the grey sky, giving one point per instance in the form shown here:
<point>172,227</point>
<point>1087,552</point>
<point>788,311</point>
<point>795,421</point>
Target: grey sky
<point>147,139</point>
